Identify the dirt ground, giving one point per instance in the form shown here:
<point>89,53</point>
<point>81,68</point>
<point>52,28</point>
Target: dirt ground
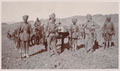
<point>100,59</point>
<point>39,59</point>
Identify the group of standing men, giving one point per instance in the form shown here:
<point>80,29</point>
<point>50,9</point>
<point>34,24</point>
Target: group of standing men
<point>88,32</point>
<point>50,33</point>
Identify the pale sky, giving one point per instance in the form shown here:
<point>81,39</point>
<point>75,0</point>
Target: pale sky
<point>13,11</point>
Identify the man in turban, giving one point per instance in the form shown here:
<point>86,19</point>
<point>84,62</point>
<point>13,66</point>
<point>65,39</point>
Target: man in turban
<point>108,31</point>
<point>51,34</point>
<point>24,32</point>
<point>90,30</point>
<point>74,34</point>
<point>38,30</point>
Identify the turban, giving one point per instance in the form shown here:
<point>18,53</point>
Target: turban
<point>74,20</point>
<point>25,17</point>
<point>108,17</point>
<point>52,16</point>
<point>89,16</point>
<point>38,20</point>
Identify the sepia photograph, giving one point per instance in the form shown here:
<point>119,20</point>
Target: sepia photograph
<point>59,35</point>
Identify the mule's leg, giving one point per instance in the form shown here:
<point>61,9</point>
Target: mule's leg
<point>19,44</point>
<point>86,45</point>
<point>37,40</point>
<point>112,43</point>
<point>45,43</point>
<point>104,44</point>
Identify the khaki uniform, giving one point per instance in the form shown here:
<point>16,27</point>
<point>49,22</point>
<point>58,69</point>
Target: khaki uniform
<point>51,37</point>
<point>51,34</point>
<point>74,35</point>
<point>24,34</point>
<point>90,30</point>
<point>38,31</point>
<point>25,31</point>
<point>108,32</point>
